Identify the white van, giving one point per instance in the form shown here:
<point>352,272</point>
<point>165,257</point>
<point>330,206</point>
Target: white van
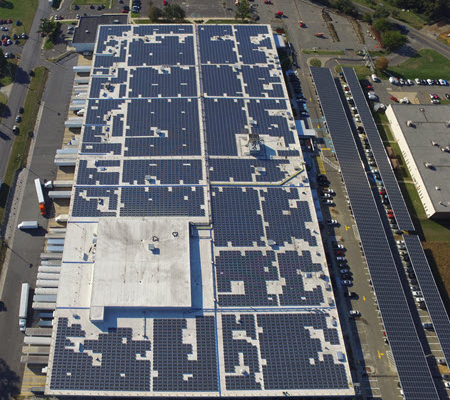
<point>375,78</point>
<point>28,225</point>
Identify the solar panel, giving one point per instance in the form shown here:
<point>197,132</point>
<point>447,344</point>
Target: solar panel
<point>430,292</point>
<point>412,367</point>
<point>390,183</point>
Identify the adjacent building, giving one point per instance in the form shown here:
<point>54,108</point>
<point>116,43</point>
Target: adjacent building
<point>423,134</point>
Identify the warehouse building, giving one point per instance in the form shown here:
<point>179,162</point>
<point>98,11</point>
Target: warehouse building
<point>193,262</point>
<point>423,132</point>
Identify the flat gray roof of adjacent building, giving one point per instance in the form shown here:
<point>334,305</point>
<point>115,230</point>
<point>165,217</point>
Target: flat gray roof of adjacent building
<point>430,125</point>
<point>87,26</point>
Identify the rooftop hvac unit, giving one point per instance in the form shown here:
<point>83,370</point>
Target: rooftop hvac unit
<point>409,123</point>
<point>434,143</point>
<point>428,165</point>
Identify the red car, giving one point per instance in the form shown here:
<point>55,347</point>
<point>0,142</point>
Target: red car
<point>394,99</point>
<point>267,2</point>
<point>164,3</point>
<point>382,191</point>
<point>9,21</point>
<point>370,87</point>
<point>435,96</point>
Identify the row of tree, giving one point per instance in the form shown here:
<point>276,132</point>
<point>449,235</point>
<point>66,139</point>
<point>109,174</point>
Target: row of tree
<point>170,13</point>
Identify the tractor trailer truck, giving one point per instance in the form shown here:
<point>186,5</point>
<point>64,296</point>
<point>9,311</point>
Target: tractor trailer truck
<point>23,308</point>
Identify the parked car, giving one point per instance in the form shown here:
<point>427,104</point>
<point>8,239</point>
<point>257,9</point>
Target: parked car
<point>355,313</point>
<point>344,271</point>
<point>347,283</point>
<point>394,99</point>
<point>350,294</point>
<point>332,221</point>
<point>18,118</point>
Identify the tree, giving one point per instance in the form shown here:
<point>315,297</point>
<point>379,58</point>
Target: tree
<point>393,40</point>
<point>380,12</point>
<point>346,6</point>
<point>224,4</point>
<point>382,24</point>
<point>47,26</point>
<point>154,14</point>
<point>3,63</point>
<point>367,18</point>
<point>242,10</point>
<point>178,13</point>
<point>381,63</point>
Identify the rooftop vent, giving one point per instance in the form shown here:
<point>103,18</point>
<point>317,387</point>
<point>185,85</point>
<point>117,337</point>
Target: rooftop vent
<point>409,123</point>
<point>86,31</point>
<point>428,165</point>
<point>438,188</point>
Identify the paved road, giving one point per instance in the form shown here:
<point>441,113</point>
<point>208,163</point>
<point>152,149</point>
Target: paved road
<point>26,248</point>
<point>29,59</point>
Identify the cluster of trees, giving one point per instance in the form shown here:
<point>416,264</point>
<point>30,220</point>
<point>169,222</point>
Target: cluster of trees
<point>170,13</point>
<point>392,38</point>
<point>433,9</point>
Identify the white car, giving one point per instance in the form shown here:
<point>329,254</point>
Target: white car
<point>420,299</point>
<point>344,271</point>
<point>347,283</point>
<point>341,259</point>
<point>405,100</point>
<point>417,293</point>
<point>410,82</point>
<point>339,246</point>
<point>435,101</point>
<point>326,196</point>
<point>327,201</point>
<point>400,242</point>
<point>355,313</point>
<point>429,81</point>
<point>332,222</point>
<point>418,81</point>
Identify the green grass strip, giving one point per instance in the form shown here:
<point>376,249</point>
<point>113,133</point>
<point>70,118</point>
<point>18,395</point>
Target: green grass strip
<point>19,150</point>
<point>329,52</point>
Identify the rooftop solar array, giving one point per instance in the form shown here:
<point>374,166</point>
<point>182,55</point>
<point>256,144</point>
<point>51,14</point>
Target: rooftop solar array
<point>192,123</point>
<point>430,292</point>
<point>414,373</point>
<point>390,183</point>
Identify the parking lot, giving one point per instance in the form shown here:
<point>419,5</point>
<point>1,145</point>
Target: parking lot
<point>67,10</point>
<point>416,94</point>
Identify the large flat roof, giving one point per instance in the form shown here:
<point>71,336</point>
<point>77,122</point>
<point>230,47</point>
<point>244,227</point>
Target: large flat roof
<point>426,138</point>
<point>189,129</point>
<point>86,30</point>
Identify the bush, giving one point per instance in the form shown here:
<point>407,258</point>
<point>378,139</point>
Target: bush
<point>381,63</point>
<point>382,24</point>
<point>315,62</point>
<point>380,12</point>
<point>393,40</point>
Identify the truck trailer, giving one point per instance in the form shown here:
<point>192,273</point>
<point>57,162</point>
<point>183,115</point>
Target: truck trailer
<point>23,308</point>
<point>40,195</point>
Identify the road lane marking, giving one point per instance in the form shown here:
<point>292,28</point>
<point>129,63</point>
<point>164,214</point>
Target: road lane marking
<point>380,354</point>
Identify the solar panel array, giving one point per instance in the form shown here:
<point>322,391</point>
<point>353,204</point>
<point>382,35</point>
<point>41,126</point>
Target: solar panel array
<point>166,134</point>
<point>390,183</point>
<point>430,292</point>
<point>414,373</point>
